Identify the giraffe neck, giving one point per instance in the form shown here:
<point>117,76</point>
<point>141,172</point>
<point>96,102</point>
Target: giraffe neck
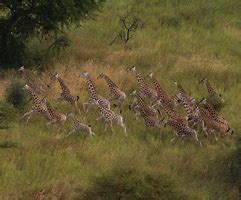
<point>34,95</point>
<point>210,88</point>
<point>139,78</point>
<point>187,107</point>
<point>62,84</point>
<point>140,100</point>
<point>91,88</point>
<point>109,81</point>
<point>158,86</point>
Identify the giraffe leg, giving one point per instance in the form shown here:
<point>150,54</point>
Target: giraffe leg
<point>27,113</point>
<point>71,132</point>
<point>123,125</point>
<point>99,118</point>
<point>77,108</point>
<point>105,126</point>
<point>111,127</point>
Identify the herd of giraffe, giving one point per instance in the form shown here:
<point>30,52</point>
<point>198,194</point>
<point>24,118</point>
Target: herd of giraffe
<point>153,104</point>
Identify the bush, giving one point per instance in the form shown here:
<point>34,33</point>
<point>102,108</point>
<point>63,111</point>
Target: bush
<point>131,184</point>
<point>8,114</point>
<point>16,95</point>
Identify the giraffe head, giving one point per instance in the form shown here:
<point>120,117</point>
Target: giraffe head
<point>55,76</point>
<point>150,75</point>
<point>26,87</point>
<point>131,69</point>
<point>84,74</point>
<point>203,81</point>
<point>203,101</point>
<point>133,92</point>
<point>21,69</point>
<point>101,75</point>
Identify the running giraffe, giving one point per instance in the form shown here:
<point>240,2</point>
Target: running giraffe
<point>214,118</point>
<point>212,125</point>
<point>173,114</point>
<point>141,105</point>
<point>94,97</point>
<point>191,111</point>
<point>211,91</point>
<point>80,127</point>
<point>115,91</point>
<point>39,106</point>
<point>184,93</point>
<point>65,94</point>
<point>110,117</point>
<point>55,116</point>
<point>144,89</point>
<point>161,93</point>
<point>38,88</point>
<point>181,130</point>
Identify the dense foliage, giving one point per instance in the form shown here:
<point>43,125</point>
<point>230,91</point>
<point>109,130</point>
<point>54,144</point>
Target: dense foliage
<point>22,19</point>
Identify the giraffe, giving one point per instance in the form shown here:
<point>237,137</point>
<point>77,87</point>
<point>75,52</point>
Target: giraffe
<point>39,106</point>
<point>55,116</point>
<point>110,117</point>
<point>144,89</point>
<point>161,93</point>
<point>78,126</point>
<point>94,97</point>
<point>214,116</point>
<point>144,109</point>
<point>181,130</point>
<point>211,91</point>
<point>115,91</point>
<point>38,88</point>
<point>173,114</point>
<point>212,125</point>
<point>65,94</point>
<point>184,93</point>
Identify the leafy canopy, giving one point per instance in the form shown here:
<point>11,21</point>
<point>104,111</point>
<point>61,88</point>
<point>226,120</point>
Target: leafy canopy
<point>23,19</point>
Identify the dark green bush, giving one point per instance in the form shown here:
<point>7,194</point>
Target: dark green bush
<point>16,95</point>
<point>131,184</point>
<point>8,114</point>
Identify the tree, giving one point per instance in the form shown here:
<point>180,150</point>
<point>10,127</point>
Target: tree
<point>20,20</point>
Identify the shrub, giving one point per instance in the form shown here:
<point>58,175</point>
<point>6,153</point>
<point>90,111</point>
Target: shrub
<point>8,114</point>
<point>16,95</point>
<point>132,184</point>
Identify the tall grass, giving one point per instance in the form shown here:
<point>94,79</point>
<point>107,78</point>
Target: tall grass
<point>180,40</point>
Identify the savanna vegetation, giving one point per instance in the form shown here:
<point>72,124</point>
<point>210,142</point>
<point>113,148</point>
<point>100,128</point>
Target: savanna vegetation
<point>177,40</point>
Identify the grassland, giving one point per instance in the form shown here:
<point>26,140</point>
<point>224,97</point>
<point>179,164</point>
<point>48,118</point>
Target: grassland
<point>180,40</point>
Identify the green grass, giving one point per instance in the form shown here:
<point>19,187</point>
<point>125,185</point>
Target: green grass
<point>180,40</point>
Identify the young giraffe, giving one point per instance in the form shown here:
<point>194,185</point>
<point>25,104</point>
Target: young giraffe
<point>144,109</point>
<point>94,97</point>
<point>181,130</point>
<point>173,114</point>
<point>78,126</point>
<point>55,117</point>
<point>184,93</point>
<point>110,117</point>
<point>39,106</point>
<point>211,91</point>
<point>115,91</point>
<point>65,94</point>
<point>38,89</point>
<point>161,94</point>
<point>144,89</point>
